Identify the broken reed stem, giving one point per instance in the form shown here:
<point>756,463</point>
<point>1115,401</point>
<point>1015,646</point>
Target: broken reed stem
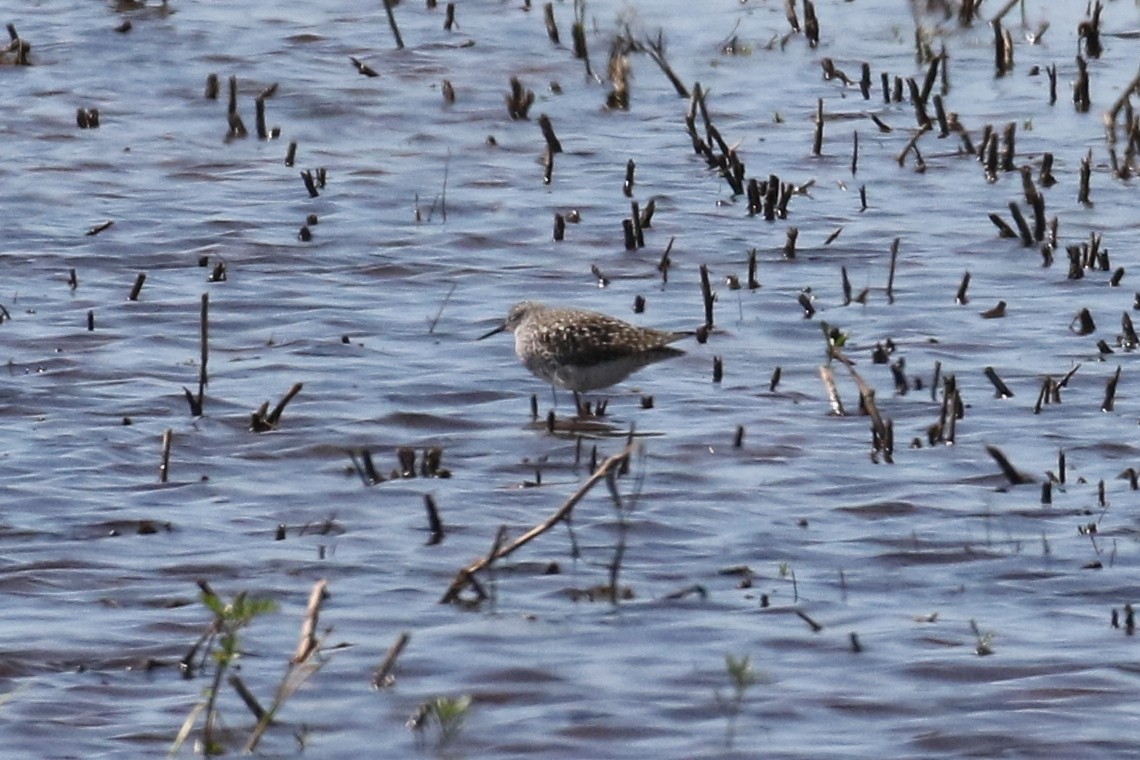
<point>547,127</point>
<point>435,524</point>
<point>931,78</point>
<point>940,117</point>
<point>1022,226</point>
<point>204,336</point>
<point>259,119</point>
<point>1044,395</point>
<point>246,695</point>
<point>635,223</point>
<point>793,235</point>
<point>811,24</point>
<point>1003,49</point>
<point>1085,178</point>
<point>707,296</point>
<point>551,25</point>
<point>1110,392</point>
<point>817,141</point>
<point>790,14</point>
<point>392,23</point>
<point>275,415</point>
<point>442,306</point>
<point>1004,230</point>
<point>815,627</point>
<point>1001,390</point>
<point>578,33</point>
<point>891,275</point>
<point>665,262</point>
<point>300,667</point>
<point>961,298</point>
<point>308,643</point>
<point>263,420</point>
<point>231,108</point>
<point>833,400</point>
<point>164,468</point>
<point>656,51</point>
<point>1010,472</point>
<point>466,576</point>
<point>919,104</point>
<point>380,678</point>
<point>137,287</point>
<point>1081,100</point>
<point>646,218</point>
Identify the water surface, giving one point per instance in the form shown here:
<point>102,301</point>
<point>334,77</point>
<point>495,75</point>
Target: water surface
<point>428,230</point>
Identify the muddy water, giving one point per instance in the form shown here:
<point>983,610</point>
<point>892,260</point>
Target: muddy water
<point>427,231</point>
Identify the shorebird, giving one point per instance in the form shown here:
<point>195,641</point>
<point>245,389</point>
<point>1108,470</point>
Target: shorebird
<point>580,350</point>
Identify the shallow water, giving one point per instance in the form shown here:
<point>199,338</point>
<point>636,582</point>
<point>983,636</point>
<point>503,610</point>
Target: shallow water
<point>377,317</point>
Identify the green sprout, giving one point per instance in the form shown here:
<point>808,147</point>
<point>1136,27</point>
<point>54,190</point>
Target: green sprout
<point>740,675</point>
<point>222,638</point>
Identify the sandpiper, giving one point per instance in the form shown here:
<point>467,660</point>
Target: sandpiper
<point>581,350</point>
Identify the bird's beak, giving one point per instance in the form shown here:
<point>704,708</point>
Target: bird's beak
<point>496,331</point>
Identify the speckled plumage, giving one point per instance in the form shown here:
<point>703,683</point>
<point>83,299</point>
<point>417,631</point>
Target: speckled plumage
<point>583,350</point>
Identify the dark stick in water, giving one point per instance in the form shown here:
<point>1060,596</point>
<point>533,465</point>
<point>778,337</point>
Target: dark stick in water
<point>137,287</point>
<point>164,468</point>
<point>392,23</point>
<point>551,25</point>
<point>707,296</point>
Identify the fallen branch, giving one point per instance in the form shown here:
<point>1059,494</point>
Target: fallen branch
<point>466,576</point>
